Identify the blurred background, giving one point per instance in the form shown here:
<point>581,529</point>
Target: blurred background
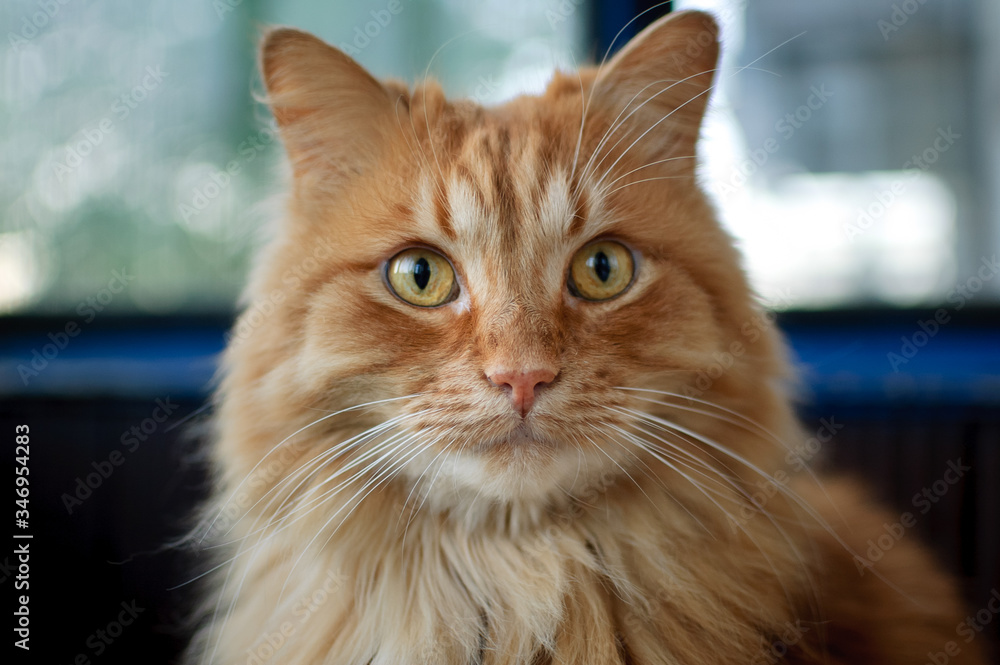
<point>852,149</point>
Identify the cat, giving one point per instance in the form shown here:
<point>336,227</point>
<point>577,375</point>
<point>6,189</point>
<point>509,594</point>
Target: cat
<point>459,422</point>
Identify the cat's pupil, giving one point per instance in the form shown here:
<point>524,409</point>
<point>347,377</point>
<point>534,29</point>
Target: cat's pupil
<point>421,273</point>
<point>601,265</point>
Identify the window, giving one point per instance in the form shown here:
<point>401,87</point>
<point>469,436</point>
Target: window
<point>139,171</point>
<point>852,147</point>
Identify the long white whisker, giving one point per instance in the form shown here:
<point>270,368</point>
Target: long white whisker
<point>306,470</point>
<point>416,483</point>
<point>620,121</point>
<point>741,421</point>
<point>381,452</point>
<point>299,512</point>
<point>243,549</point>
<point>646,166</point>
<point>358,442</point>
<point>604,60</point>
<point>655,124</point>
<point>732,518</point>
<point>714,445</point>
<point>663,486</point>
<point>652,179</point>
<point>795,498</point>
<point>370,485</point>
<point>356,407</point>
<point>688,461</point>
<point>651,127</point>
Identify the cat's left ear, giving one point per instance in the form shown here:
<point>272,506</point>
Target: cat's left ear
<point>664,74</point>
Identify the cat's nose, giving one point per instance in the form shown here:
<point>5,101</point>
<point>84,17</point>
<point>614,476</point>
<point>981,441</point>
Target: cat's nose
<point>521,384</point>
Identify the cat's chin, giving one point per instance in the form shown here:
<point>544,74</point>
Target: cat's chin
<point>521,466</point>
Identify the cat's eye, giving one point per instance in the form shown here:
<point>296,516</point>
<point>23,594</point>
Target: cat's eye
<point>601,270</point>
<point>421,277</point>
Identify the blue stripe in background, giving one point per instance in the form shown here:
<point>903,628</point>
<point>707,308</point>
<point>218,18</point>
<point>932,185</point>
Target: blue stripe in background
<point>838,362</point>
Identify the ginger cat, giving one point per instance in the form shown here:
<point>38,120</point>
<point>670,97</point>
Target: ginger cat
<point>458,421</point>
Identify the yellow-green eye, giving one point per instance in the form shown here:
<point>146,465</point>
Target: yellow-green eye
<point>601,270</point>
<point>421,277</point>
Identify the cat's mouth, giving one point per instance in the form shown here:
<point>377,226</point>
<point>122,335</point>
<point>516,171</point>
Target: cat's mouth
<point>523,435</point>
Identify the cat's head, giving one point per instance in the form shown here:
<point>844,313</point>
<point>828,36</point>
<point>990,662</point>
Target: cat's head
<point>502,285</point>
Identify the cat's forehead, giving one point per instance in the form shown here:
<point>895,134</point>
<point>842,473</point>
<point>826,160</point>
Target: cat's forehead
<point>507,187</point>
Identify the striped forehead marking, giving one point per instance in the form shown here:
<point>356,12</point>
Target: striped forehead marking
<point>497,188</point>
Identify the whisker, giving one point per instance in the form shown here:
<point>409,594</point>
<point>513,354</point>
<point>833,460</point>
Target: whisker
<point>370,485</point>
<point>604,60</point>
<point>618,124</point>
<point>638,182</point>
<point>427,125</point>
<point>704,439</point>
<point>734,521</point>
<point>287,438</point>
<point>620,121</point>
<point>795,498</point>
<point>676,454</point>
<point>663,486</point>
<point>655,124</point>
<point>306,470</point>
<point>299,511</point>
<point>382,451</point>
<point>743,422</point>
<point>627,474</point>
<point>243,549</point>
<point>246,547</point>
<point>646,166</point>
<point>426,492</point>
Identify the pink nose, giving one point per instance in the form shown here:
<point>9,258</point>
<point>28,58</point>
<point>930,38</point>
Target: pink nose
<point>522,385</point>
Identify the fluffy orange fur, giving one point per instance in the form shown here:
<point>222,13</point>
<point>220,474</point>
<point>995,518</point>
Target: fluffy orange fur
<point>380,501</point>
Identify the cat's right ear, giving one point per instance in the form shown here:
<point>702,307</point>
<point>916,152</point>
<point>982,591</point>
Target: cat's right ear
<point>331,113</point>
